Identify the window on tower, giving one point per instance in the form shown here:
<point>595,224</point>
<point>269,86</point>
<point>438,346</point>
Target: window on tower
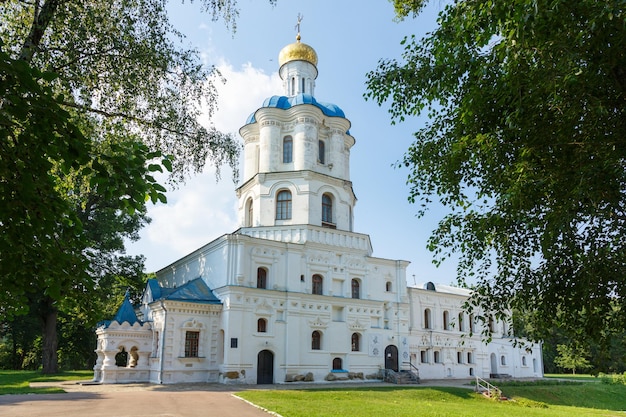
<point>249,213</point>
<point>327,210</point>
<point>287,149</point>
<point>283,205</point>
<point>322,152</point>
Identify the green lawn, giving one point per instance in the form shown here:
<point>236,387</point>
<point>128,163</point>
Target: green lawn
<point>532,400</point>
<point>18,382</point>
<point>574,377</point>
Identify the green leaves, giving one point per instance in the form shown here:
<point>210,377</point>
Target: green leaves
<point>526,146</point>
<point>96,98</point>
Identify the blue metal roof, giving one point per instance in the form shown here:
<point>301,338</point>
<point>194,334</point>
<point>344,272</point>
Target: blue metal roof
<point>195,291</point>
<point>284,102</point>
<point>126,313</point>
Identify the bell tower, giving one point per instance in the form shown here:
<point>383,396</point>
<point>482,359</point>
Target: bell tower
<point>297,154</point>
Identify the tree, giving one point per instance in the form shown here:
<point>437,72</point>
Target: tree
<point>96,96</point>
<point>526,147</point>
<point>572,357</point>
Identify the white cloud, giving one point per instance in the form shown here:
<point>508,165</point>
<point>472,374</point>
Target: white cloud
<point>203,209</point>
<point>243,93</point>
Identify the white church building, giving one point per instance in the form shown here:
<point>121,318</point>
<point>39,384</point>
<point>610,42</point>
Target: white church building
<point>295,294</point>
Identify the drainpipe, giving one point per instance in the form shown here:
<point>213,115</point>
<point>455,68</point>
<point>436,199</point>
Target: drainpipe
<point>162,353</point>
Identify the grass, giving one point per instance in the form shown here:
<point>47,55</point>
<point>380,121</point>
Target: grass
<point>541,398</point>
<point>530,400</point>
<point>574,377</point>
<point>18,382</point>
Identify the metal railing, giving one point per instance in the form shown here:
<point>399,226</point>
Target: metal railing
<point>487,388</point>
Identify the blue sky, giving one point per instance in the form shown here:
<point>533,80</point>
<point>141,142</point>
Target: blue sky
<point>350,37</point>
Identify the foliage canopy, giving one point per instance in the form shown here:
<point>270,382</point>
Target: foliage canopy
<point>526,147</point>
<point>96,97</point>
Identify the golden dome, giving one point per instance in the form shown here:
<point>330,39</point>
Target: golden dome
<point>297,51</point>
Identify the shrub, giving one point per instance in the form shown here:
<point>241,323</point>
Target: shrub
<point>613,379</point>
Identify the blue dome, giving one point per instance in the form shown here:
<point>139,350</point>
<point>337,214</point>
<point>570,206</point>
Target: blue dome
<point>283,102</point>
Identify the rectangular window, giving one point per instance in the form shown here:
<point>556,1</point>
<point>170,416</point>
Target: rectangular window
<point>423,356</point>
<point>321,157</point>
<point>233,342</point>
<point>192,340</point>
<point>287,150</point>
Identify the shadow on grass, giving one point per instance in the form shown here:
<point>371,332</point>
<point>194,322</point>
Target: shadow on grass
<point>590,395</point>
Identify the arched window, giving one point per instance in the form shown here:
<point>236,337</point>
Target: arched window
<point>317,284</point>
<point>356,289</point>
<point>121,358</point>
<point>287,149</point>
<point>283,205</point>
<point>461,324</point>
<point>471,323</point>
<point>337,364</point>
<point>293,85</point>
<point>261,278</point>
<point>470,358</point>
<point>524,361</point>
<point>321,156</point>
<point>249,213</point>
<point>356,345</point>
<point>388,286</point>
<point>459,357</point>
<point>492,327</point>
<point>303,81</point>
<point>446,320</point>
<point>316,340</point>
<point>503,360</point>
<point>437,357</point>
<point>427,323</point>
<point>327,209</point>
<point>261,326</point>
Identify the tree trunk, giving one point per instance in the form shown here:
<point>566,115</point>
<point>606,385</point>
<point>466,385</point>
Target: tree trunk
<point>50,341</point>
<point>15,363</point>
<point>41,20</point>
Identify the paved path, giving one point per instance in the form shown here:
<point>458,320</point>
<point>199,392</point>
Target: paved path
<point>130,400</point>
<point>143,400</point>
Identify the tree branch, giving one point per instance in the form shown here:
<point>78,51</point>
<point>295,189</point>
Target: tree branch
<point>126,116</point>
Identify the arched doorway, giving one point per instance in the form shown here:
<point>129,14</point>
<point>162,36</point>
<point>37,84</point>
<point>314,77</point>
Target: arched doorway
<point>265,367</point>
<point>494,364</point>
<point>391,358</point>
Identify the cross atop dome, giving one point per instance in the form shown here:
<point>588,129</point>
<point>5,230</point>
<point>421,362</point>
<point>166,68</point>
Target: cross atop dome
<point>297,51</point>
<point>300,17</point>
